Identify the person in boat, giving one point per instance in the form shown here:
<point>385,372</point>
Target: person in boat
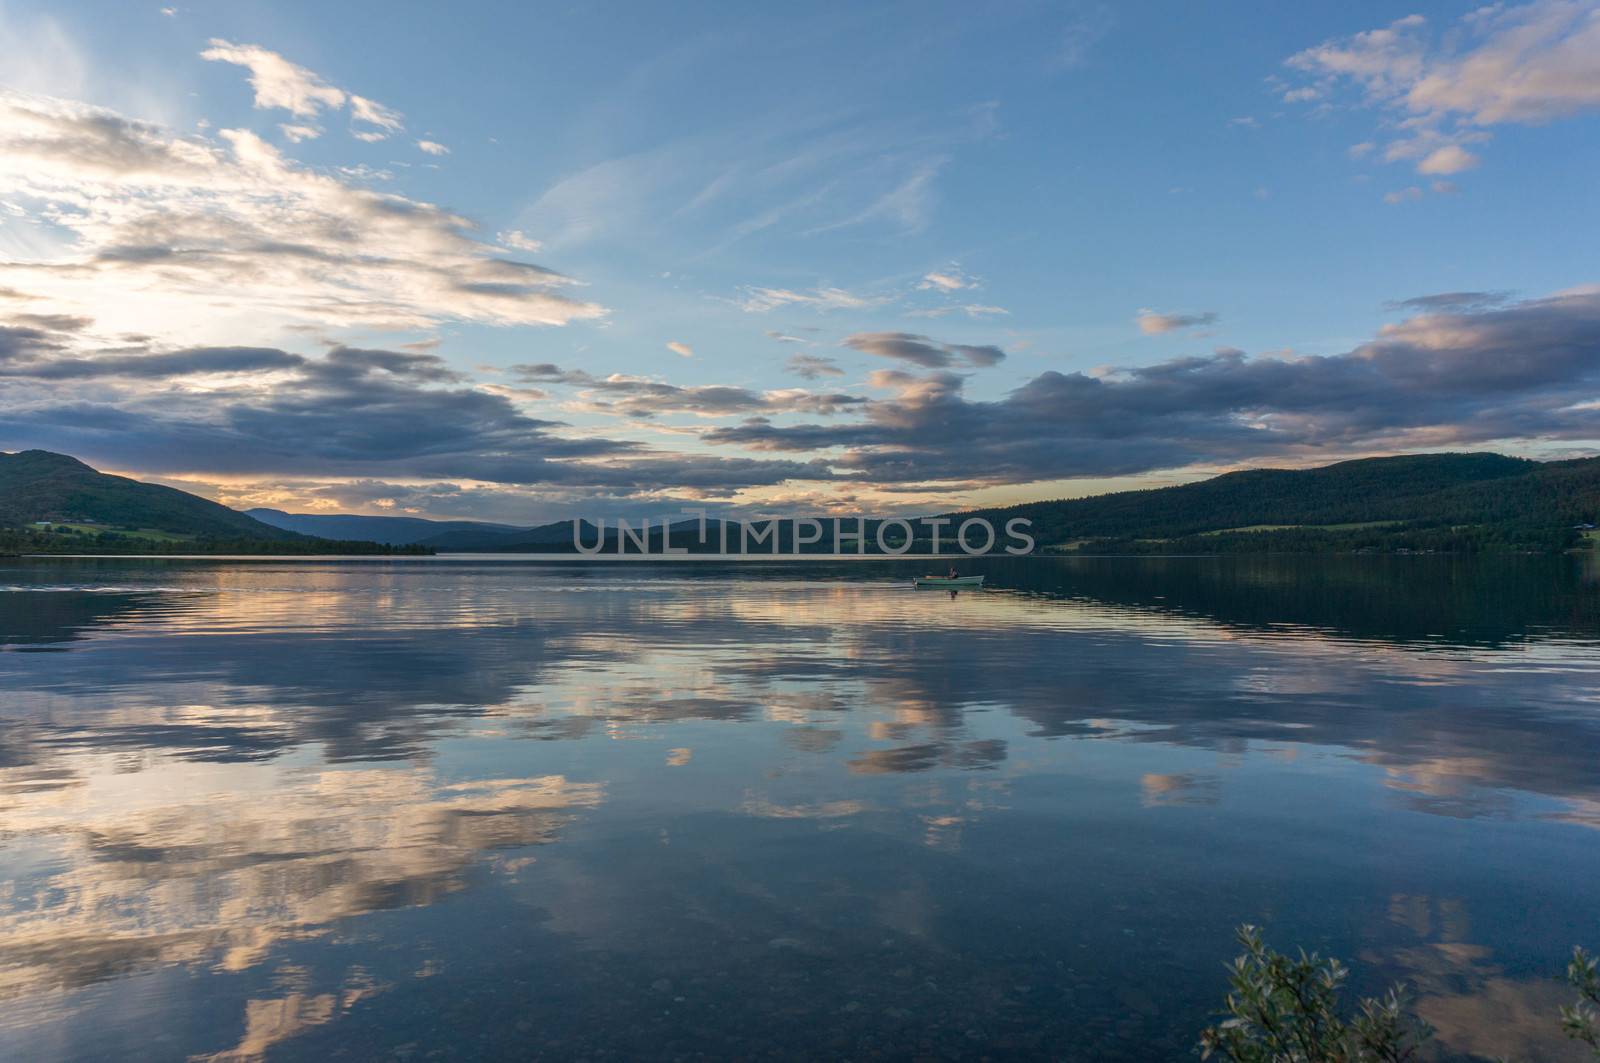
<point>953,572</point>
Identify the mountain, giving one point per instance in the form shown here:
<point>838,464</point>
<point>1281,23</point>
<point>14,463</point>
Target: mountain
<point>396,531</point>
<point>503,540</point>
<point>557,538</point>
<point>36,485</point>
<point>1418,501</point>
<point>1432,502</point>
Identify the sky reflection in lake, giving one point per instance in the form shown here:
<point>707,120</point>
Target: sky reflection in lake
<point>501,810</point>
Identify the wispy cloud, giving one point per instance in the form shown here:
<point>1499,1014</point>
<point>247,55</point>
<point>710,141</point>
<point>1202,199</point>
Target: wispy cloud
<point>681,349</point>
<point>969,309</point>
<point>762,300</point>
<point>1153,323</point>
<point>283,85</point>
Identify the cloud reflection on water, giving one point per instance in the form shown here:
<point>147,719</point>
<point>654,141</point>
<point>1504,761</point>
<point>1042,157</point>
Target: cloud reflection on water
<point>242,758</point>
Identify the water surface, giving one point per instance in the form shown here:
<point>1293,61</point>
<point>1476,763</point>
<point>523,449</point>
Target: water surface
<point>488,809</point>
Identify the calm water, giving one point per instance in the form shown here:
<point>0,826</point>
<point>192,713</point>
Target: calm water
<point>496,810</point>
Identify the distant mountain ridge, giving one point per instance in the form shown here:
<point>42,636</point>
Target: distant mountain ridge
<point>1432,502</point>
<point>395,531</point>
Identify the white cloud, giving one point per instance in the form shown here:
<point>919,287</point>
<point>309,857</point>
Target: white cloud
<point>517,239</point>
<point>281,84</point>
<point>1526,64</point>
<point>1404,195</point>
<point>294,134</point>
<point>948,280</point>
<point>370,112</point>
<point>181,234</point>
<point>278,83</point>
<point>681,349</point>
<point>1152,323</point>
<point>433,147</point>
<point>1452,158</point>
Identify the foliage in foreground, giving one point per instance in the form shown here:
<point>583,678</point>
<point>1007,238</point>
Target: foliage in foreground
<point>1582,1020</point>
<point>1286,1010</point>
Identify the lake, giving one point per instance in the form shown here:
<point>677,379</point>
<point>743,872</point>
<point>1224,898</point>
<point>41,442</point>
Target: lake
<point>457,808</point>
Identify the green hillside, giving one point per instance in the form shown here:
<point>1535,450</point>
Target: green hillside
<point>53,504</point>
<point>36,485</point>
<point>1422,502</point>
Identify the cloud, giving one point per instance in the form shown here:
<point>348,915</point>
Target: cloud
<point>1451,301</point>
<point>762,300</point>
<point>1404,195</point>
<point>633,396</point>
<point>517,239</point>
<point>433,147</point>
<point>294,133</point>
<point>1086,26</point>
<point>371,413</point>
<point>970,309</point>
<point>282,85</point>
<point>920,350</point>
<point>168,233</point>
<point>277,82</point>
<point>383,120</point>
<point>950,280</point>
<point>1452,158</point>
<point>812,367</point>
<point>682,349</point>
<point>1521,371</point>
<point>784,337</point>
<point>159,366</point>
<point>1152,323</point>
<point>1525,64</point>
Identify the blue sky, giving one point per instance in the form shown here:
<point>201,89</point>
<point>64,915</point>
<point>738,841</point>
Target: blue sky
<point>1022,250</point>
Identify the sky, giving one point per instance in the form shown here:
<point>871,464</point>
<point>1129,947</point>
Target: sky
<point>521,262</point>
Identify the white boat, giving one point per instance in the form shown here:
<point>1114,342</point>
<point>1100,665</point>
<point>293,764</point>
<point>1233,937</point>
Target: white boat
<point>948,581</point>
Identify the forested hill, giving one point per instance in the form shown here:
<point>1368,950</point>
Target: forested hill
<point>1422,501</point>
<point>36,485</point>
<point>52,503</point>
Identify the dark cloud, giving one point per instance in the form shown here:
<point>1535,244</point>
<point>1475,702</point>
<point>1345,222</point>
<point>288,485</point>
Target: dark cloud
<point>1451,302</point>
<point>920,350</point>
<point>153,366</point>
<point>1525,371</point>
<point>812,367</point>
<point>356,412</point>
<point>633,396</point>
<point>357,361</point>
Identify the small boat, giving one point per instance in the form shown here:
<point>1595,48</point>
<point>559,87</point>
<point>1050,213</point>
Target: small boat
<point>948,581</point>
